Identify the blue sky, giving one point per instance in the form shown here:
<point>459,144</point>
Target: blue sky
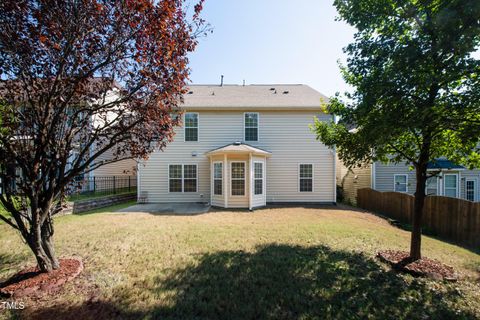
<point>272,41</point>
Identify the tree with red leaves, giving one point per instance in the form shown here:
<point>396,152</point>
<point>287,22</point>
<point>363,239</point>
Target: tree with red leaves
<point>78,79</point>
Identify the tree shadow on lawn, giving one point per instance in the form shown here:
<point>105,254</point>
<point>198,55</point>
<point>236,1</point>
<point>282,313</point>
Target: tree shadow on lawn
<point>276,282</point>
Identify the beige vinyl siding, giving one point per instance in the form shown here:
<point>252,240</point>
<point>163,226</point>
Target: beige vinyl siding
<point>285,134</point>
<point>350,180</point>
<point>120,168</point>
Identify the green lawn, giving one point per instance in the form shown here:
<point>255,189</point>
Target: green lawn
<point>273,263</point>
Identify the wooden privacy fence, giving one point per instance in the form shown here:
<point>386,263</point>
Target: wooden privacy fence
<point>450,218</point>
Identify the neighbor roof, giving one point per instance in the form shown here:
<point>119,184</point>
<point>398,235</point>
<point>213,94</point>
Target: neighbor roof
<point>268,96</point>
<point>443,164</point>
<point>238,147</point>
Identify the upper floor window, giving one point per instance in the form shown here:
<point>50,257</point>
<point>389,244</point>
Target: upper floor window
<point>401,183</point>
<point>251,126</point>
<point>191,126</point>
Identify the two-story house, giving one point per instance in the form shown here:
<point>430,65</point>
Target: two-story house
<point>243,147</point>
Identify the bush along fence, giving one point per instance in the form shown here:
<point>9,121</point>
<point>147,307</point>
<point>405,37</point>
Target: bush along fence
<point>92,187</point>
<point>450,218</point>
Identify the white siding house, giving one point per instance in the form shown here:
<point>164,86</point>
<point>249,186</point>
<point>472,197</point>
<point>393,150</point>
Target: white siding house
<point>243,147</point>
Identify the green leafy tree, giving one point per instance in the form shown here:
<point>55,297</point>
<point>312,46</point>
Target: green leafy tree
<point>416,88</point>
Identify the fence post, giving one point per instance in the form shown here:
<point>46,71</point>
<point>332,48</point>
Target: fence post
<point>129,184</point>
<point>94,185</point>
<point>114,186</point>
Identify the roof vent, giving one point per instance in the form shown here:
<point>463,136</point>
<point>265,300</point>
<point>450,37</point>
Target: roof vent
<point>190,92</point>
<point>271,89</point>
<point>237,143</point>
<point>213,93</point>
<point>285,92</point>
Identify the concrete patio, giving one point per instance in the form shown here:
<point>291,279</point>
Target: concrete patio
<point>168,208</point>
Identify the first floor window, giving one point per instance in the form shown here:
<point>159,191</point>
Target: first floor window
<point>218,178</point>
<point>401,181</point>
<point>175,177</point>
<point>451,188</point>
<point>258,178</point>
<point>182,178</point>
<point>190,178</point>
<point>238,178</point>
<point>470,190</point>
<point>306,177</point>
<point>432,186</point>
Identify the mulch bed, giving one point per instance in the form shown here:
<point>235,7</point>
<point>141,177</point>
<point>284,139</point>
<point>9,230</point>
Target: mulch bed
<point>424,267</point>
<point>32,282</point>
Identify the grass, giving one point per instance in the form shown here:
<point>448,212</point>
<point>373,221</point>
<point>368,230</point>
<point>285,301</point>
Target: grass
<point>278,263</point>
<point>100,194</point>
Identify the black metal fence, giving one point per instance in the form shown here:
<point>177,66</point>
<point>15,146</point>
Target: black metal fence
<point>87,187</point>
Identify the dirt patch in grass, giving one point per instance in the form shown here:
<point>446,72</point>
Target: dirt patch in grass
<point>424,267</point>
<point>31,281</point>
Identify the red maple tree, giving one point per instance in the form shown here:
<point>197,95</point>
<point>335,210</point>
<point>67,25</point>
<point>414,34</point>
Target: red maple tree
<point>78,79</point>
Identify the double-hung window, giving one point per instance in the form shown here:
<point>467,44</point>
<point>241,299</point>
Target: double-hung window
<point>470,189</point>
<point>258,178</point>
<point>218,178</point>
<point>400,183</point>
<point>305,175</point>
<point>450,185</point>
<point>182,178</point>
<point>191,126</point>
<point>251,126</point>
<point>238,178</point>
<point>432,186</point>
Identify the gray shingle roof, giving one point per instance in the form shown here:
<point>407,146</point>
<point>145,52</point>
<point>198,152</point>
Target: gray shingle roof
<point>268,96</point>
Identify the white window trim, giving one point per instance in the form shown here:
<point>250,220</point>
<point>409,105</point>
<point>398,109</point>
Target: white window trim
<point>313,177</point>
<point>221,179</point>
<point>395,184</point>
<point>244,179</point>
<point>185,126</point>
<point>183,176</point>
<point>457,184</point>
<point>436,185</point>
<point>258,127</point>
<point>475,190</point>
<point>169,177</point>
<point>262,178</point>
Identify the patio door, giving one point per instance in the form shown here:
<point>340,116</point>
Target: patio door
<point>258,197</point>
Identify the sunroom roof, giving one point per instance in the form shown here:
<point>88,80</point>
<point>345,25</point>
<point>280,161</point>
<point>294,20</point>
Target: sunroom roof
<point>239,148</point>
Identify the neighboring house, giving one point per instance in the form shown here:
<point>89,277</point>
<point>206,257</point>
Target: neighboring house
<point>451,180</point>
<point>350,180</point>
<point>243,147</point>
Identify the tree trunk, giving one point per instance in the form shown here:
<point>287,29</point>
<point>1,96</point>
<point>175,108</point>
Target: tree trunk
<point>40,243</point>
<point>47,243</point>
<point>416,240</point>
